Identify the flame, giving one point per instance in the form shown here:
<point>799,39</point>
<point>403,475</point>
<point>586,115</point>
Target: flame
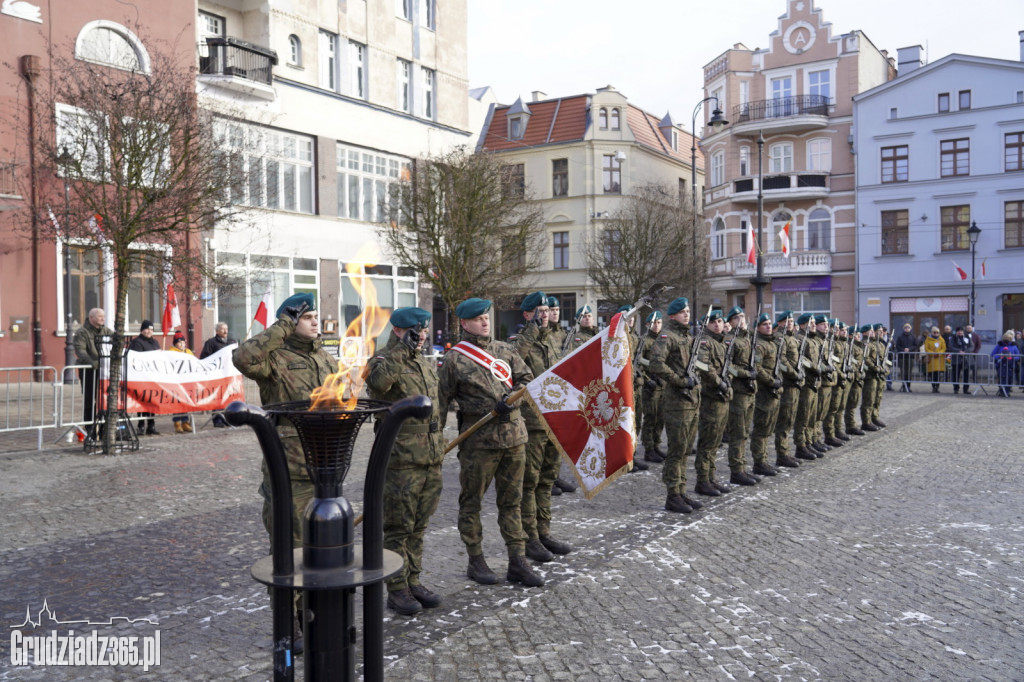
<point>341,390</point>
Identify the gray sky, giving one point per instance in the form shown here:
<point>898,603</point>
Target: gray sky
<point>654,51</point>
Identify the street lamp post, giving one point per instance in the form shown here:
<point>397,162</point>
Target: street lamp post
<point>759,280</point>
<point>717,122</point>
<point>973,232</point>
<point>64,160</point>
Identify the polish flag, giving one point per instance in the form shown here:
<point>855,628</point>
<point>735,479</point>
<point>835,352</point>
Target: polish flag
<point>983,268</point>
<point>172,318</point>
<point>752,251</point>
<point>959,272</point>
<point>263,311</point>
<point>784,239</point>
<point>586,401</point>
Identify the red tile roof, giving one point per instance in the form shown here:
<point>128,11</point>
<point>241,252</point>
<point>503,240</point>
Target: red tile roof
<point>647,133</point>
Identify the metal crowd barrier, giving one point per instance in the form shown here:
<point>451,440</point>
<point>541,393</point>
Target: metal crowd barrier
<point>30,400</point>
<point>968,372</point>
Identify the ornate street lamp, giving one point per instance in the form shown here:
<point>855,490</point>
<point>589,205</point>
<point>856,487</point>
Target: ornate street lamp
<point>717,122</point>
<point>973,232</point>
<point>759,280</point>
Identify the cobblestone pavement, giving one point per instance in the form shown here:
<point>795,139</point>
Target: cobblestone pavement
<point>896,557</point>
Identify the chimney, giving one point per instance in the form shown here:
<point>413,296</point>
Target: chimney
<point>538,95</point>
<point>908,59</point>
<point>1021,35</point>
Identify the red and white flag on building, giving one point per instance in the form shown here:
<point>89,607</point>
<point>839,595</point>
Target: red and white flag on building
<point>586,401</point>
<point>172,318</point>
<point>959,272</point>
<point>266,305</point>
<point>752,241</point>
<point>784,238</point>
<point>983,273</point>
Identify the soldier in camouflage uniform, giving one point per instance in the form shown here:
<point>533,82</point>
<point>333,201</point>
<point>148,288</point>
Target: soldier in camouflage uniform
<point>556,332</point>
<point>858,372</point>
<point>715,396</point>
<point>497,450</point>
<point>880,365</point>
<point>587,329</point>
<point>870,381</point>
<point>826,329</point>
<point>535,346</point>
<point>412,484</point>
<point>680,402</point>
<point>792,383</point>
<point>638,382</point>
<point>769,390</point>
<point>652,423</point>
<point>834,428</point>
<point>744,390</point>
<point>803,426</point>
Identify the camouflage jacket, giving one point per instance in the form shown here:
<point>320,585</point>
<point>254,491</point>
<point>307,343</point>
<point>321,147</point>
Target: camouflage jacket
<point>635,345</point>
<point>839,351</point>
<point>855,361</point>
<point>740,367</point>
<point>86,351</point>
<point>477,391</point>
<point>829,378</point>
<point>712,354</point>
<point>583,334</point>
<point>650,338</point>
<point>397,372</point>
<point>764,361</point>
<point>812,354</point>
<point>790,368</point>
<point>534,344</point>
<point>557,337</point>
<point>670,356</point>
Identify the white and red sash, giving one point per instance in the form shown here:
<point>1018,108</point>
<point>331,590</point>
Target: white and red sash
<point>498,368</point>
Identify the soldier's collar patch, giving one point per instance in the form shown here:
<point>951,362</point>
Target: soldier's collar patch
<point>664,336</point>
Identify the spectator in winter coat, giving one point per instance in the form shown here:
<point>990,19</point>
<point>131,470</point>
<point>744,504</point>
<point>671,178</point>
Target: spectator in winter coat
<point>1007,362</point>
<point>143,343</point>
<point>959,345</point>
<point>935,351</point>
<point>906,345</point>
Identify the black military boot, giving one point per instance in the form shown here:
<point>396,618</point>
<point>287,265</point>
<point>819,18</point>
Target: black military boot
<point>402,602</point>
<point>786,461</point>
<point>555,490</point>
<point>638,465</point>
<point>841,435</point>
<point>555,546</point>
<point>868,426</point>
<point>722,488</point>
<point>879,423</point>
<point>652,455</point>
<point>820,446</point>
<point>742,478</point>
<point>480,572</point>
<point>803,453</point>
<point>764,469</point>
<point>566,486</point>
<point>426,597</point>
<point>854,431</point>
<point>520,572</point>
<point>706,488</point>
<point>675,503</point>
<point>834,442</point>
<point>696,504</point>
<point>538,552</point>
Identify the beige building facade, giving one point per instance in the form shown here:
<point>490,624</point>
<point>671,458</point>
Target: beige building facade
<point>795,94</point>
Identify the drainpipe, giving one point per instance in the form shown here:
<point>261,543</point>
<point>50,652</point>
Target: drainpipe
<point>30,70</point>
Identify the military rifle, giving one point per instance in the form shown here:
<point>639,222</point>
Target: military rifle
<point>723,376</point>
<point>753,346</point>
<point>825,360</point>
<point>886,363</point>
<point>571,334</point>
<point>849,354</point>
<point>777,372</point>
<point>800,372</point>
<point>691,366</point>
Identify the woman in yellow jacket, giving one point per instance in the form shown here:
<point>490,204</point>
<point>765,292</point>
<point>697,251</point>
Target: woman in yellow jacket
<point>182,423</point>
<point>935,351</point>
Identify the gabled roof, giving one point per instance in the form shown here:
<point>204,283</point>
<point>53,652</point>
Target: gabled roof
<point>551,121</point>
<point>647,130</point>
<point>936,65</point>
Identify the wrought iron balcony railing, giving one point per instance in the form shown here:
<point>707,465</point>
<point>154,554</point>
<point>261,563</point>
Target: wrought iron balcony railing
<point>234,57</point>
<point>781,107</point>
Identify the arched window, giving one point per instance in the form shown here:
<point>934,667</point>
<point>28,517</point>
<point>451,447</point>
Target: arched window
<point>615,119</point>
<point>294,50</point>
<point>108,43</point>
<point>771,237</point>
<point>602,119</point>
<point>718,239</point>
<point>819,230</point>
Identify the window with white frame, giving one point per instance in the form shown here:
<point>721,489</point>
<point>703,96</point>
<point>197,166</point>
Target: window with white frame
<point>615,125</point>
<point>428,107</point>
<point>270,168</point>
<point>717,168</point>
<point>803,301</point>
<point>243,279</point>
<point>141,147</point>
<point>428,11</point>
<point>820,83</point>
<point>771,237</point>
<point>357,69</point>
<point>718,239</point>
<point>782,97</point>
<point>365,179</point>
<point>819,230</point>
<point>111,44</point>
<point>328,60</point>
<point>515,127</point>
<point>780,158</point>
<point>819,154</point>
<point>602,119</point>
<point>81,134</point>
<point>405,86</point>
<point>294,50</point>
<point>403,9</point>
<point>611,170</point>
<point>719,101</point>
<point>744,161</point>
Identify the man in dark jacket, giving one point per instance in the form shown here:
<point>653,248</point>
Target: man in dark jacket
<point>87,353</point>
<point>906,346</point>
<point>218,341</point>
<point>144,343</point>
<point>958,346</point>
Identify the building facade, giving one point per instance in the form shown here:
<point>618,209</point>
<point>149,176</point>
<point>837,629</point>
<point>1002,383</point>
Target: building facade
<point>581,156</point>
<point>341,98</point>
<point>795,95</point>
<point>941,149</point>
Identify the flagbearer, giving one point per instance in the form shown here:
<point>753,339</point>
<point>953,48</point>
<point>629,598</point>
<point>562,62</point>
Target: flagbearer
<point>412,485</point>
<point>587,329</point>
<point>680,402</point>
<point>558,340</point>
<point>535,345</point>
<point>743,372</point>
<point>480,373</point>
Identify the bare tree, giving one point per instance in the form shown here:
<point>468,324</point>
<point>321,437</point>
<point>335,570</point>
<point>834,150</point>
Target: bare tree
<point>467,222</point>
<point>648,239</point>
<point>145,171</point>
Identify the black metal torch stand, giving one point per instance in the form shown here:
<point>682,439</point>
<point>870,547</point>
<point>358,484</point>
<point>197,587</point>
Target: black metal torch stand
<point>328,567</point>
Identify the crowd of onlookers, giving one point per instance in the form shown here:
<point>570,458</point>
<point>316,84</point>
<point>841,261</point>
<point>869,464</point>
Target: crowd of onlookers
<point>951,356</point>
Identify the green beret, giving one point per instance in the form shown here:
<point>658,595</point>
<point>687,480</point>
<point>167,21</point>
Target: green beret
<point>296,301</point>
<point>678,305</point>
<point>553,302</point>
<point>864,328</point>
<point>472,307</point>
<point>580,312</point>
<point>877,326</point>
<point>733,312</point>
<point>784,315</point>
<point>624,309</point>
<point>821,318</point>
<point>406,318</point>
<point>533,300</point>
<point>763,317</point>
<point>714,315</point>
<point>656,315</point>
<point>804,318</point>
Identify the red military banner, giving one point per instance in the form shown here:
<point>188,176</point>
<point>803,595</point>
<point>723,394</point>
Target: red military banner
<point>586,401</point>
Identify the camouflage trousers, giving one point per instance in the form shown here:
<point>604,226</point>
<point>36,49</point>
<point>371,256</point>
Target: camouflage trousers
<point>411,495</point>
<point>839,395</point>
<point>740,421</point>
<point>803,425</point>
<point>302,489</point>
<point>788,402</point>
<point>681,427</point>
<point>824,401</point>
<point>478,468</point>
<point>766,414</point>
<point>713,416</point>
<point>653,422</point>
<point>852,403</point>
<point>876,404</point>
<point>542,465</point>
<point>867,407</point>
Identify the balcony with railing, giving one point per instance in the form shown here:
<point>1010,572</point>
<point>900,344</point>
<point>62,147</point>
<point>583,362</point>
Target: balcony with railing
<point>780,187</point>
<point>811,262</point>
<point>237,65</point>
<point>782,114</point>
